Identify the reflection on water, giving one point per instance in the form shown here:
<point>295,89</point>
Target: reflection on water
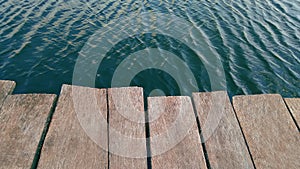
<point>257,41</point>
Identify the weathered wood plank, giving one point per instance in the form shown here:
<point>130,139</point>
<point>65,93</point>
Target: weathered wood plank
<point>175,140</point>
<point>270,131</point>
<point>22,120</point>
<point>224,141</point>
<point>77,138</point>
<point>294,107</point>
<point>126,125</point>
<point>6,88</point>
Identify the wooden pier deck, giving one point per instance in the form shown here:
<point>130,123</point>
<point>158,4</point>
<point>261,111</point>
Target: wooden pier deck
<point>46,131</point>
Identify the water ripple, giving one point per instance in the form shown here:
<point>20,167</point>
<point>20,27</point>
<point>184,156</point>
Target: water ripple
<point>257,41</point>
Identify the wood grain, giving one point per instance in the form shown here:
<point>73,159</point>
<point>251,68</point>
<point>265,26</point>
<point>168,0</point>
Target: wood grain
<point>75,135</point>
<point>270,131</point>
<point>225,145</point>
<point>22,120</point>
<point>126,124</point>
<point>294,107</point>
<point>175,140</point>
<point>6,88</point>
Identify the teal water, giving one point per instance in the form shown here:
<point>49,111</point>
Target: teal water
<point>257,42</point>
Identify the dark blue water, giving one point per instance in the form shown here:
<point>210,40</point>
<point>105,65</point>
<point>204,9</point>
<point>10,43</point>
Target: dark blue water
<point>257,42</point>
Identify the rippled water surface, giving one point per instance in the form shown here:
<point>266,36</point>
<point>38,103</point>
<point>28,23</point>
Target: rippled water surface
<point>256,41</point>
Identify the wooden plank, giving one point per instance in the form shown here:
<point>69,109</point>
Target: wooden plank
<point>77,137</point>
<point>225,145</point>
<point>294,107</point>
<point>270,131</point>
<point>22,120</point>
<point>126,125</point>
<point>175,140</point>
<point>6,88</point>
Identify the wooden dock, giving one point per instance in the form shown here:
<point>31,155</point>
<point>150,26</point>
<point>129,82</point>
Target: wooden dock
<point>81,128</point>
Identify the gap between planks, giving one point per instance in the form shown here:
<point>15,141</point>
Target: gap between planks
<point>269,130</point>
<point>22,122</point>
<point>224,141</point>
<point>293,105</point>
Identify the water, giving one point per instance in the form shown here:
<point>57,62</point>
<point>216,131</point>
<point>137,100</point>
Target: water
<point>257,42</point>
